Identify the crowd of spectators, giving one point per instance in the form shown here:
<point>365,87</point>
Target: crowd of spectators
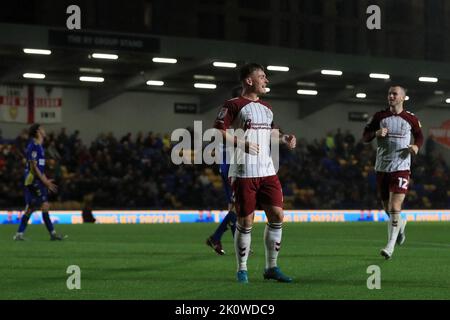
<point>337,172</point>
<point>136,172</point>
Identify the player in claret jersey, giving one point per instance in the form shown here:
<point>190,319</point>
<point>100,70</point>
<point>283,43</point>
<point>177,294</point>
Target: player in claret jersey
<point>256,182</point>
<point>36,184</point>
<point>392,128</point>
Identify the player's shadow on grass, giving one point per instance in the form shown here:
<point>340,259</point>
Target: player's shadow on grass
<point>155,265</point>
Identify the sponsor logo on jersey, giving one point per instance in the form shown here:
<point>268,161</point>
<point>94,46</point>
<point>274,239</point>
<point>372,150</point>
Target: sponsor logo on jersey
<point>248,124</point>
<point>222,113</point>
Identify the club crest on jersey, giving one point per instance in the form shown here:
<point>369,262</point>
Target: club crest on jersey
<point>222,113</point>
<point>33,154</point>
<point>248,124</point>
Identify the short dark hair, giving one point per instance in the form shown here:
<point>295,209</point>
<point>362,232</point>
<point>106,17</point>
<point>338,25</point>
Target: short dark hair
<point>32,132</point>
<point>247,70</point>
<point>401,87</point>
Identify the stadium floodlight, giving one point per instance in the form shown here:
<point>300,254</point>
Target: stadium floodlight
<point>439,92</point>
<point>428,79</point>
<point>164,60</point>
<point>278,68</point>
<point>406,98</point>
<point>106,56</point>
<point>155,83</point>
<point>307,92</point>
<point>267,89</point>
<point>331,72</point>
<point>361,95</point>
<point>91,79</point>
<point>204,77</point>
<point>91,70</point>
<point>37,51</point>
<point>219,64</point>
<point>384,76</point>
<point>447,100</point>
<point>34,75</point>
<point>205,85</point>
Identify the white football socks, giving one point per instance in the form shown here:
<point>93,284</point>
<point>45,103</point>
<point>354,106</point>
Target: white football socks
<point>272,242</point>
<point>402,229</point>
<point>389,226</point>
<point>242,241</point>
<point>395,225</point>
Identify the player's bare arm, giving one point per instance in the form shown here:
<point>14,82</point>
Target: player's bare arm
<point>369,135</point>
<point>247,146</point>
<point>381,133</point>
<point>288,139</point>
<point>413,148</point>
<point>47,182</point>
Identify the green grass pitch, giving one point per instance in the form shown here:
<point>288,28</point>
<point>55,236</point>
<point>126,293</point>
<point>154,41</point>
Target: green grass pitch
<point>162,261</point>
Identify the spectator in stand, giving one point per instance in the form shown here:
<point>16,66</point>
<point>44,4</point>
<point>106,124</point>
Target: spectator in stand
<point>320,175</point>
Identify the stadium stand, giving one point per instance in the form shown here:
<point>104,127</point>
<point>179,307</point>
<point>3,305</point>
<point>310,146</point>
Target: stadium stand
<point>335,172</point>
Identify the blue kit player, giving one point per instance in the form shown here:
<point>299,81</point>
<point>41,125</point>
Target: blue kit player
<point>36,184</point>
<point>229,221</point>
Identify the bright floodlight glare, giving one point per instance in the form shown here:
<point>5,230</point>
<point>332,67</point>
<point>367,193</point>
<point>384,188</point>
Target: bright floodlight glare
<point>428,79</point>
<point>204,77</point>
<point>447,100</point>
<point>379,76</point>
<point>267,89</point>
<point>91,79</point>
<point>37,51</point>
<point>34,75</point>
<point>361,95</point>
<point>92,70</point>
<point>105,56</point>
<point>306,84</point>
<point>205,85</point>
<point>406,98</point>
<point>307,92</point>
<point>331,72</point>
<point>155,83</point>
<point>278,68</point>
<point>219,64</point>
<point>164,60</point>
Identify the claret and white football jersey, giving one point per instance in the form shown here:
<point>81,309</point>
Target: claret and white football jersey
<point>255,118</point>
<point>392,151</point>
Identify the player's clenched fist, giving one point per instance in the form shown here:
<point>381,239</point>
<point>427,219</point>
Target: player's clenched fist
<point>382,132</point>
<point>413,148</point>
<point>251,148</point>
<point>289,140</point>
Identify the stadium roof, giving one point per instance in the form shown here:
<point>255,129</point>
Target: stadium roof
<point>72,57</point>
